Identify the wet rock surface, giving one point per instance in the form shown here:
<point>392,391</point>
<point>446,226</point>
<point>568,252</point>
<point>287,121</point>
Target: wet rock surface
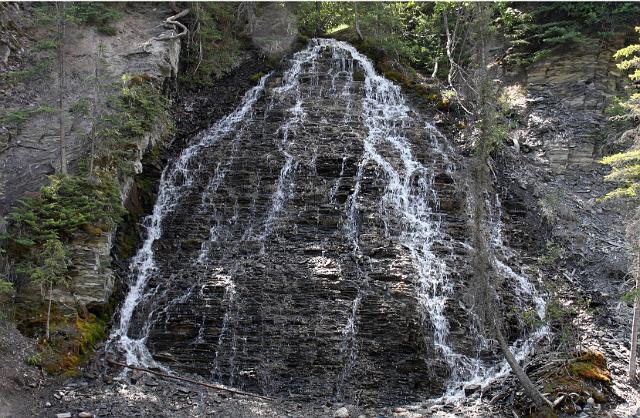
<point>314,245</point>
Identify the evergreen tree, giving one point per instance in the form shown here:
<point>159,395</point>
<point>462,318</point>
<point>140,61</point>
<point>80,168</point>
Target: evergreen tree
<point>626,172</point>
<point>50,272</point>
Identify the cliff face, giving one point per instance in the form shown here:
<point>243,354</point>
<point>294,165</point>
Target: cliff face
<point>29,149</point>
<point>550,181</point>
<point>560,133</point>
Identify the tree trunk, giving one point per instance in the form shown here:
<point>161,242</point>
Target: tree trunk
<point>61,36</point>
<point>49,310</point>
<point>543,405</point>
<point>357,23</point>
<point>96,112</point>
<point>448,46</point>
<point>317,19</point>
<point>634,332</point>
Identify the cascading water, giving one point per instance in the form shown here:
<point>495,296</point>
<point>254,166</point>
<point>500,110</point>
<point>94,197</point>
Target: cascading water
<point>301,244</point>
<point>174,180</point>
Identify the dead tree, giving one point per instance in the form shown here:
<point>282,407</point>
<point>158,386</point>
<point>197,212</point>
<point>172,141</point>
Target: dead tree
<point>61,9</point>
<point>632,240</point>
<point>482,96</point>
<point>356,21</point>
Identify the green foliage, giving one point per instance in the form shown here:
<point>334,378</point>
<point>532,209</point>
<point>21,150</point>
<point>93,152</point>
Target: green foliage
<point>19,116</point>
<point>554,254</point>
<point>549,205</point>
<point>533,31</point>
<point>11,78</point>
<point>630,296</point>
<point>101,15</point>
<point>6,287</point>
<point>45,45</point>
<point>51,266</point>
<point>531,318</point>
<point>560,317</point>
<point>409,33</point>
<point>213,47</point>
<point>45,13</point>
<point>63,206</point>
<point>81,108</point>
<point>625,166</point>
<point>34,360</point>
<point>132,113</point>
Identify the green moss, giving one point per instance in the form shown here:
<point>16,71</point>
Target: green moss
<point>256,77</point>
<point>591,365</point>
<point>585,375</point>
<point>72,342</point>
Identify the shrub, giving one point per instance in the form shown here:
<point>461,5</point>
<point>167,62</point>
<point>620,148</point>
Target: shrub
<point>62,207</point>
<point>101,15</point>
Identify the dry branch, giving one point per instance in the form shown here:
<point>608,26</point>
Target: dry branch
<point>186,379</point>
<point>173,20</point>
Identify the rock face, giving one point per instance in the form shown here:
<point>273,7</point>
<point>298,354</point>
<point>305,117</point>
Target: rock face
<point>562,132</point>
<point>29,151</point>
<point>567,94</point>
<point>314,242</point>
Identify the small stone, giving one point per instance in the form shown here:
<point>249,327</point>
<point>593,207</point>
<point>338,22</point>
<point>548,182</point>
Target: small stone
<point>341,413</point>
<point>64,415</point>
<point>47,405</point>
<point>33,385</point>
<point>591,401</point>
<point>471,389</point>
<point>85,414</point>
<point>184,390</point>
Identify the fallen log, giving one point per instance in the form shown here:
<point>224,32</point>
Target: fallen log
<point>186,379</point>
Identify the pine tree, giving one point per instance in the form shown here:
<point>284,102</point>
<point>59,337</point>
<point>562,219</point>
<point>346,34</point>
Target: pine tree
<point>625,170</point>
<point>50,272</point>
<point>62,24</point>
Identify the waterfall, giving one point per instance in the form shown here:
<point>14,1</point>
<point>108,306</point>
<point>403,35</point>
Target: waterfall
<point>174,180</point>
<point>390,185</point>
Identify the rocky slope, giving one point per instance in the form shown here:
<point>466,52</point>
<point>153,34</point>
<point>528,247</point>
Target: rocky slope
<point>552,170</point>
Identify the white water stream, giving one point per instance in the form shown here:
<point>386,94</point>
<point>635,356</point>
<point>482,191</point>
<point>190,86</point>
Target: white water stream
<point>409,207</point>
<point>175,180</point>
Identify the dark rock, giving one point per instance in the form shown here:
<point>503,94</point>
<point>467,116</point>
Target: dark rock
<point>471,389</point>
